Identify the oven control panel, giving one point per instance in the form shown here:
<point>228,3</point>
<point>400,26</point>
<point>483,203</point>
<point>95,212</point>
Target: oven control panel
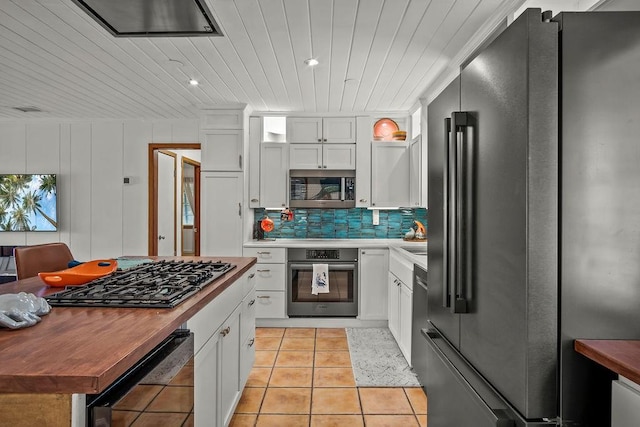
<point>323,254</point>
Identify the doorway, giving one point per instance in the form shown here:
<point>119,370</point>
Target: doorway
<point>190,210</point>
<point>163,218</point>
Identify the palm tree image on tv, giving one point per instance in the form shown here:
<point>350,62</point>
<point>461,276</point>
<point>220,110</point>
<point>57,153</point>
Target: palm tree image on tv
<point>28,203</point>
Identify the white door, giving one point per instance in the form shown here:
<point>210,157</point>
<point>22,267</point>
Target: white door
<point>166,204</point>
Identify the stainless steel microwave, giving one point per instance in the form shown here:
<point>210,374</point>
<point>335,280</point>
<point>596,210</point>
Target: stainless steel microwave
<point>322,188</point>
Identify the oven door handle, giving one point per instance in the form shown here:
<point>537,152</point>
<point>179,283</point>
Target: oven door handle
<point>332,266</point>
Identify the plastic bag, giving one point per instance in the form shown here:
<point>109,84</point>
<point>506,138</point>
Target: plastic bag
<point>22,310</point>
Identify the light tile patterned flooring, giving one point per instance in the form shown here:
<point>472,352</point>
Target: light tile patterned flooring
<point>303,377</point>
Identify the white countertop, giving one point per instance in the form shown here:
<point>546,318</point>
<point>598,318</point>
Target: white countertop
<point>392,244</point>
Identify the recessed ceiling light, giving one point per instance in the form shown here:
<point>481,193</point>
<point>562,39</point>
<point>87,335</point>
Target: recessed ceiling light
<point>193,82</point>
<point>311,62</point>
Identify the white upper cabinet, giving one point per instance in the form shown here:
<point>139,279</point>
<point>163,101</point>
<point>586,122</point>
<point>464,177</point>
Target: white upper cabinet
<point>222,150</point>
<point>273,174</point>
<point>339,130</point>
<point>268,167</point>
<point>222,119</point>
<point>390,185</point>
<point>304,129</point>
<point>322,156</point>
<point>313,130</point>
<point>222,138</point>
<point>415,172</point>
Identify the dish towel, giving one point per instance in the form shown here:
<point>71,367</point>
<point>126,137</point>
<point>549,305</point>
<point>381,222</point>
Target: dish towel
<point>320,279</point>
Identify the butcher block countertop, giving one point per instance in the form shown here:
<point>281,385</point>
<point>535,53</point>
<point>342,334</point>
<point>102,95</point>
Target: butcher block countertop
<point>83,350</point>
<point>619,356</point>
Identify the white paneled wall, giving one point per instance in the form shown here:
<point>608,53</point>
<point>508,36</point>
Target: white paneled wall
<point>99,216</point>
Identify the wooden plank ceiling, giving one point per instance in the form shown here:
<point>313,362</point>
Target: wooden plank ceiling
<point>375,55</point>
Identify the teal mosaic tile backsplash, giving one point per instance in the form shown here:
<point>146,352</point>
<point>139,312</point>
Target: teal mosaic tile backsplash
<point>356,223</point>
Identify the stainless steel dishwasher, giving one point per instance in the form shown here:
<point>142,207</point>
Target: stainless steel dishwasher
<point>419,322</point>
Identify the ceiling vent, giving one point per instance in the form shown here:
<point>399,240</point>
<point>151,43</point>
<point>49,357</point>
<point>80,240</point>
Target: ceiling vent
<point>28,109</point>
<point>152,18</point>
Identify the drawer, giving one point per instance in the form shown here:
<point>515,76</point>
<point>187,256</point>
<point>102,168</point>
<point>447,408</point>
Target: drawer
<point>247,358</point>
<point>270,304</point>
<point>248,316</point>
<point>205,322</point>
<point>249,280</point>
<point>271,277</point>
<point>266,254</point>
<point>401,268</point>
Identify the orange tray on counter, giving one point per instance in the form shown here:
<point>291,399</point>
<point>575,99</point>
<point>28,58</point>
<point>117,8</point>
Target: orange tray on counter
<point>80,274</point>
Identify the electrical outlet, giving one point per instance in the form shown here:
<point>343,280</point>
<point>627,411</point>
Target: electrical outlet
<point>376,217</point>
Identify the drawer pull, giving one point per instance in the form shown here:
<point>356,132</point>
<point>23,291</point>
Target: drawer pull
<point>253,301</point>
<point>225,331</point>
<point>264,296</point>
<point>251,341</point>
<point>264,252</point>
<point>263,271</point>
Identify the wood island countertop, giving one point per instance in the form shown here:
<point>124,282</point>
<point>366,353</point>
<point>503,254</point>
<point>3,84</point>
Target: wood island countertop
<point>84,349</point>
<point>619,356</point>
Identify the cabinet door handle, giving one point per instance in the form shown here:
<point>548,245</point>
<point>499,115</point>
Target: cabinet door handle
<point>239,209</point>
<point>252,275</point>
<point>253,301</point>
<point>363,200</point>
<point>254,200</point>
<point>319,139</point>
<point>264,253</point>
<point>264,296</point>
<point>319,166</point>
<point>225,331</point>
<point>240,161</point>
<point>251,341</point>
<point>325,166</point>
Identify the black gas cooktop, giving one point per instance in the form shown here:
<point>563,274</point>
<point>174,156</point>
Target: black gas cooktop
<point>161,284</point>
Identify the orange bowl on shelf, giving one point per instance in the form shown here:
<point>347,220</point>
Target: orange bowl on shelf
<point>384,129</point>
<point>80,274</point>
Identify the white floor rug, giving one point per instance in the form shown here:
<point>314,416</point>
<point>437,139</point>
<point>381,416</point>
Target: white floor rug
<point>376,359</point>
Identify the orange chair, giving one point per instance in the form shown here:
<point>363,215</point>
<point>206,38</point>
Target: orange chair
<point>31,260</point>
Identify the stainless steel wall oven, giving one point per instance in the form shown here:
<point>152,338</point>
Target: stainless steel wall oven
<point>342,298</point>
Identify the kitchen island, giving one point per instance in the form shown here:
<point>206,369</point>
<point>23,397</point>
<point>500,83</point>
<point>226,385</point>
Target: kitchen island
<point>81,350</point>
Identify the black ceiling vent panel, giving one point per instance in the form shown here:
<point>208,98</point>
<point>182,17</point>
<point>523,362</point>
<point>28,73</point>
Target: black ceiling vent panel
<point>152,18</point>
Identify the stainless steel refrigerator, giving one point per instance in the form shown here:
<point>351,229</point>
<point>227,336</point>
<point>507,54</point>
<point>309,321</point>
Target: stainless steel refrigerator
<point>534,222</point>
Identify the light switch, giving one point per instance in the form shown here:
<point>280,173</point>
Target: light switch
<point>376,217</point>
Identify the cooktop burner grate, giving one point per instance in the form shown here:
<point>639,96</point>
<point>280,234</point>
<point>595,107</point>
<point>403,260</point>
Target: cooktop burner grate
<point>161,284</point>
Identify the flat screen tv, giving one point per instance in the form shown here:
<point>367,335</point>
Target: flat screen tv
<point>28,203</point>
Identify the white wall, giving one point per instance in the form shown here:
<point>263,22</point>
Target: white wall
<point>99,216</point>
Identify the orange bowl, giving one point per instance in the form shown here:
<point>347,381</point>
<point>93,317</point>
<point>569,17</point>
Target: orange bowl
<point>80,274</point>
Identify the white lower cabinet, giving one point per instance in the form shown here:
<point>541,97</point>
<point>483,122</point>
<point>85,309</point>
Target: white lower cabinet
<point>625,403</point>
<point>400,294</point>
<point>373,267</point>
<point>393,310</point>
<point>223,329</point>
<point>271,276</point>
<point>206,383</point>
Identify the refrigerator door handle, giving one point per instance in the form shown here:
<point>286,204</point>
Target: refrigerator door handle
<point>448,191</point>
<point>462,131</point>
